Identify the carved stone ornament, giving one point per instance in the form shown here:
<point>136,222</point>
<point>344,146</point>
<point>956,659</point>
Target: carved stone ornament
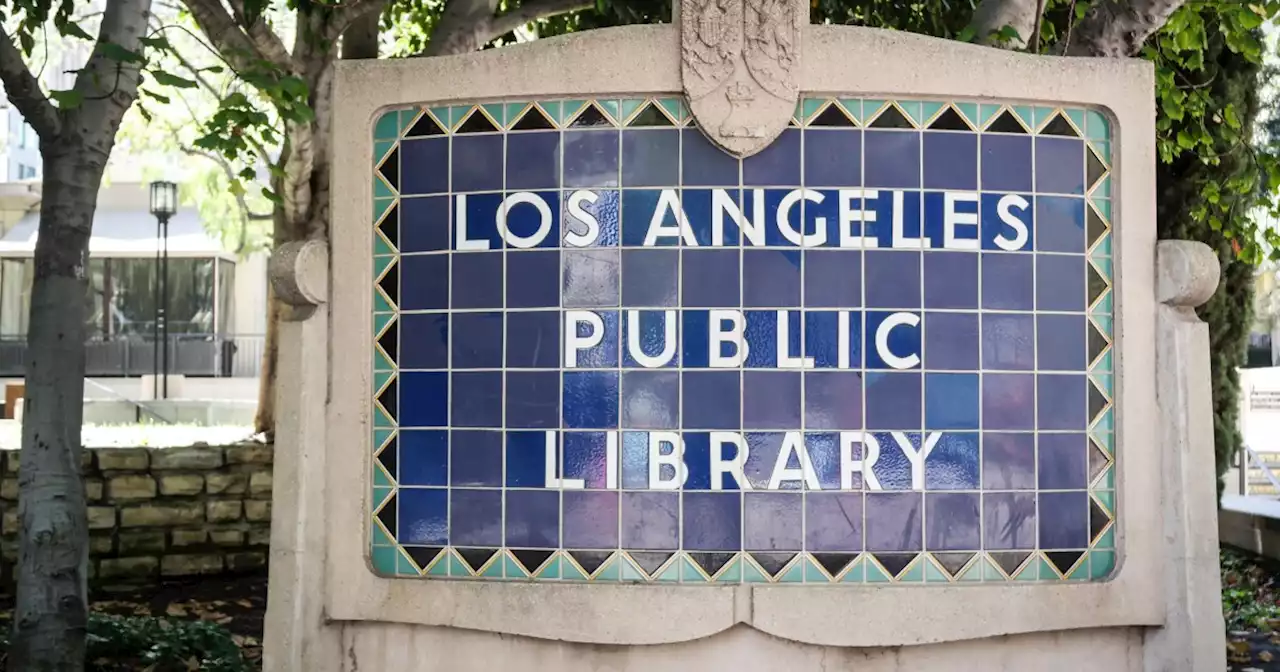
<point>740,62</point>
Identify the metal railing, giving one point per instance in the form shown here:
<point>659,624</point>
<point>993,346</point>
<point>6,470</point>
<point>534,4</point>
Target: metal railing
<point>199,355</point>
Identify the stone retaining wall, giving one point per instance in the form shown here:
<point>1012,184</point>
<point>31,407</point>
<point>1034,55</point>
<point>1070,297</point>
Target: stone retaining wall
<point>162,511</point>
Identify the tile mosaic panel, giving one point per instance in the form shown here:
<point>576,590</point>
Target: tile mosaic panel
<point>879,351</point>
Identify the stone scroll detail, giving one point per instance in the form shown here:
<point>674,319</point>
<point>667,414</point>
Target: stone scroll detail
<point>740,61</point>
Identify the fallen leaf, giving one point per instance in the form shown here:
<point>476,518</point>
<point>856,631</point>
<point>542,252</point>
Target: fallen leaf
<point>1266,656</point>
<point>192,664</point>
<point>245,603</point>
<point>176,610</point>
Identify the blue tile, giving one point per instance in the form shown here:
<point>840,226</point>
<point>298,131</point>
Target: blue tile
<point>593,341</point>
<point>591,278</point>
<point>533,160</point>
<point>954,462</point>
<point>592,218</point>
<point>477,342</point>
<point>1061,401</point>
<point>695,330</point>
<point>712,521</point>
<point>951,341</point>
<point>892,279</point>
<point>1008,401</point>
<point>652,336</point>
<point>710,278</point>
<point>638,214</point>
<point>424,343</point>
<point>476,517</point>
<point>892,159</point>
<point>822,333</point>
<point>477,280</point>
<point>591,399</point>
<point>526,463</point>
<point>950,160</point>
<point>590,158</point>
<point>1063,463</point>
<point>710,400</point>
<point>651,520</point>
<point>424,457</point>
<point>763,339</point>
<point>1009,520</point>
<point>951,220</point>
<point>475,222</point>
<point>533,340</point>
<point>832,279</point>
<point>1060,224</point>
<point>424,516</point>
<point>424,166</point>
<point>650,278</point>
<point>950,280</point>
<point>833,522</point>
<point>1008,461</point>
<point>763,455</point>
<point>893,469</point>
<point>590,519</point>
<point>777,164</point>
<point>1006,163</point>
<point>477,399</point>
<point>770,278</point>
<point>1064,520</point>
<point>770,399</point>
<point>532,219</point>
<point>650,157</point>
<point>1060,282</point>
<point>894,521</point>
<point>784,223</point>
<point>586,458</point>
<point>533,279</point>
<point>533,519</point>
<point>475,458</point>
<point>650,399</point>
<point>832,158</point>
<point>1059,165</point>
<point>893,400</point>
<point>424,224</point>
<point>1007,222</point>
<point>1060,342</point>
<point>706,165</point>
<point>1007,282</point>
<point>633,464</point>
<point>533,399</point>
<point>477,163</point>
<point>832,400</point>
<point>424,399</point>
<point>424,282</point>
<point>902,338</point>
<point>951,401</point>
<point>716,216</point>
<point>954,522</point>
<point>772,521</point>
<point>824,452</point>
<point>697,462</point>
<point>1008,342</point>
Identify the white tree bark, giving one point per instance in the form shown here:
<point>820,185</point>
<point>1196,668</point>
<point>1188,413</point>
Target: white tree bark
<point>53,538</point>
<point>468,25</point>
<point>993,15</point>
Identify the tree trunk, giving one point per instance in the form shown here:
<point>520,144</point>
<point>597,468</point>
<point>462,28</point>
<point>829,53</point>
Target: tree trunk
<point>264,420</point>
<point>1118,28</point>
<point>993,15</point>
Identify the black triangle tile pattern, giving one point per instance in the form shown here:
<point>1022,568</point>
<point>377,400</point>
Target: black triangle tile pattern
<point>1097,285</point>
<point>651,115</point>
<point>534,119</point>
<point>1063,560</point>
<point>387,398</point>
<point>1095,226</point>
<point>711,562</point>
<point>1098,520</point>
<point>475,558</point>
<point>833,117</point>
<point>1059,125</point>
<point>895,563</point>
<point>423,555</point>
<point>390,282</point>
<point>390,169</point>
<point>387,515</point>
<point>950,120</point>
<point>390,225</point>
<point>1095,169</point>
<point>389,458</point>
<point>1097,343</point>
<point>650,561</point>
<point>1098,460</point>
<point>772,563</point>
<point>1006,122</point>
<point>953,562</point>
<point>590,560</point>
<point>892,117</point>
<point>477,122</point>
<point>389,340</point>
<point>591,116</point>
<point>424,127</point>
<point>834,563</point>
<point>531,560</point>
<point>1009,561</point>
<point>1097,402</point>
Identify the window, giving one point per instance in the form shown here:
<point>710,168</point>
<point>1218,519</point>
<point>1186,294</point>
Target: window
<point>26,172</point>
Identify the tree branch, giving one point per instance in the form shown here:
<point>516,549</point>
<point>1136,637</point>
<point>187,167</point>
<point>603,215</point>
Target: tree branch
<point>227,36</point>
<point>24,91</point>
<point>993,15</point>
<point>264,39</point>
<point>1118,28</point>
<point>109,86</point>
<point>468,25</point>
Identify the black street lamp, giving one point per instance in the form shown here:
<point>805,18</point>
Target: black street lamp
<point>164,202</point>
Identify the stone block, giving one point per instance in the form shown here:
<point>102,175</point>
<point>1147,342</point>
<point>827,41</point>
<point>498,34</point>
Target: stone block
<point>128,567</point>
<point>260,482</point>
<point>260,536</point>
<point>122,459</point>
<point>250,453</point>
<point>162,515</point>
<point>102,517</point>
<point>245,561</point>
<point>227,537</point>
<point>189,537</point>
<point>93,489</point>
<point>131,486</point>
<point>9,549</point>
<point>86,461</point>
<point>224,511</point>
<point>141,542</point>
<point>102,544</point>
<point>187,565</point>
<point>9,521</point>
<point>181,484</point>
<point>9,489</point>
<point>258,511</point>
<point>226,484</point>
<point>163,459</point>
<point>10,458</point>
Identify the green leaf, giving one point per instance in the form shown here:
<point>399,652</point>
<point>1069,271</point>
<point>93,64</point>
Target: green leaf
<point>68,28</point>
<point>68,99</point>
<point>116,52</point>
<point>166,79</point>
<point>967,34</point>
<point>156,43</point>
<point>248,173</point>
<point>153,94</point>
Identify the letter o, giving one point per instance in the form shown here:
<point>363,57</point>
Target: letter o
<point>544,226</point>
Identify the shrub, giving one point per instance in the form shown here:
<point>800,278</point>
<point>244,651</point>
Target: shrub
<point>119,643</point>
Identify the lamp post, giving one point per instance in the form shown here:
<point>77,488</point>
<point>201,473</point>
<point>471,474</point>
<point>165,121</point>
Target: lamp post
<point>164,202</point>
